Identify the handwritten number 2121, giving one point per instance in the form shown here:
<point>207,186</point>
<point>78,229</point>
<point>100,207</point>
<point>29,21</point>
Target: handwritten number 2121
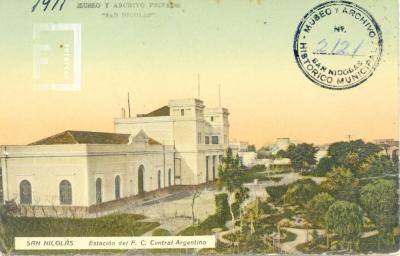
<point>47,3</point>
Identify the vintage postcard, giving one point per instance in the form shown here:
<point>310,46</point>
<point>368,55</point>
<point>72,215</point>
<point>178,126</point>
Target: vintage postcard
<point>199,127</point>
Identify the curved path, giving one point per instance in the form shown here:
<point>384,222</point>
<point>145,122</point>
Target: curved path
<point>301,237</point>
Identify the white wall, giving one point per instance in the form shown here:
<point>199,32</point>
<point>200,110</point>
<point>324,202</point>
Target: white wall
<point>45,167</point>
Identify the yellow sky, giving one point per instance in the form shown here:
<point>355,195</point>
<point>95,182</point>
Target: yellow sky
<point>245,47</point>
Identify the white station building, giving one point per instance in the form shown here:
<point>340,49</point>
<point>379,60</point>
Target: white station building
<point>179,144</point>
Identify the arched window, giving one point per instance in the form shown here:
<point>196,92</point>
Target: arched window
<point>169,177</point>
<point>117,187</point>
<point>141,180</point>
<point>207,164</point>
<point>25,192</point>
<point>65,192</point>
<point>98,191</point>
<point>159,179</point>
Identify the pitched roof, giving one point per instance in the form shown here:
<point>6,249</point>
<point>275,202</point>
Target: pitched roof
<point>142,136</point>
<point>84,137</point>
<point>163,111</point>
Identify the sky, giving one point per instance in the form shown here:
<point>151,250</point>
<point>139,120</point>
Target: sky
<point>244,46</point>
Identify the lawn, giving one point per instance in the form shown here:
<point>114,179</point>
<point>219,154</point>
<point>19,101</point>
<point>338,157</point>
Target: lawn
<point>370,244</point>
<point>111,225</point>
<point>367,245</point>
<point>205,227</point>
<point>258,172</point>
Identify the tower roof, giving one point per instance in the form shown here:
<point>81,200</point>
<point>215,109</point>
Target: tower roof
<point>163,111</point>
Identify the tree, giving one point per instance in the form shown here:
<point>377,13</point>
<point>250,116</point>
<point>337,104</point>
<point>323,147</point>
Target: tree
<point>221,208</point>
<point>302,156</point>
<point>5,244</point>
<point>242,194</point>
<point>251,148</point>
<point>281,154</point>
<point>229,176</point>
<point>300,192</point>
<point>324,165</point>
<point>341,184</point>
<point>351,154</point>
<point>316,210</point>
<point>376,165</point>
<point>346,220</point>
<point>318,207</point>
<point>352,161</point>
<point>195,195</point>
<point>379,200</point>
<point>263,152</point>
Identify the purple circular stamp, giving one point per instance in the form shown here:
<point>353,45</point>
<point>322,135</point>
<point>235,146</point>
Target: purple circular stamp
<point>338,45</point>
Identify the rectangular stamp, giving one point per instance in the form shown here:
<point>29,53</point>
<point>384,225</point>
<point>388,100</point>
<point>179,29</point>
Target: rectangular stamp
<point>57,56</point>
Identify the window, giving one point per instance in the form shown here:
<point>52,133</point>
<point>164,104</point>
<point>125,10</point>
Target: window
<point>214,139</point>
<point>212,119</point>
<point>65,192</point>
<point>207,160</point>
<point>169,177</point>
<point>25,192</point>
<point>117,187</point>
<point>213,167</point>
<point>141,180</point>
<point>98,191</point>
<point>199,137</point>
<point>182,112</point>
<point>207,140</point>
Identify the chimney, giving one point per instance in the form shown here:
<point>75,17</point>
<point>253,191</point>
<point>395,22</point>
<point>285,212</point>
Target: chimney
<point>123,115</point>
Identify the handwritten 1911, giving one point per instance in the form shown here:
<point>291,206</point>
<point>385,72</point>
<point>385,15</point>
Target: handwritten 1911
<point>49,3</point>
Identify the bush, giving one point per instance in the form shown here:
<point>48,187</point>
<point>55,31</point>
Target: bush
<point>205,228</point>
<point>301,192</point>
<point>236,209</point>
<point>276,192</point>
<point>160,232</point>
<point>266,208</point>
<point>222,208</point>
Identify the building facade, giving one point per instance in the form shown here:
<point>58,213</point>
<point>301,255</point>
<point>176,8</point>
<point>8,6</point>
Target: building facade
<point>179,144</point>
<point>199,135</point>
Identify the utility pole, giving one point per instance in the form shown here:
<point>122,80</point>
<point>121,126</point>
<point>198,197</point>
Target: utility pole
<point>129,107</point>
<point>349,137</point>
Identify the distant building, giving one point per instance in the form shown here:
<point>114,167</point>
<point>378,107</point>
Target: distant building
<point>280,163</point>
<point>280,144</point>
<point>240,146</point>
<point>248,158</point>
<point>322,152</point>
<point>390,147</point>
<point>389,142</point>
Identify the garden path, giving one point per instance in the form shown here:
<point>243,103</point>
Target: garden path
<point>301,237</point>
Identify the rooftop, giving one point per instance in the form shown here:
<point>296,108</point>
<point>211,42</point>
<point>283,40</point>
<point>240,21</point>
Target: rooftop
<point>87,137</point>
<point>163,111</point>
<point>84,137</point>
